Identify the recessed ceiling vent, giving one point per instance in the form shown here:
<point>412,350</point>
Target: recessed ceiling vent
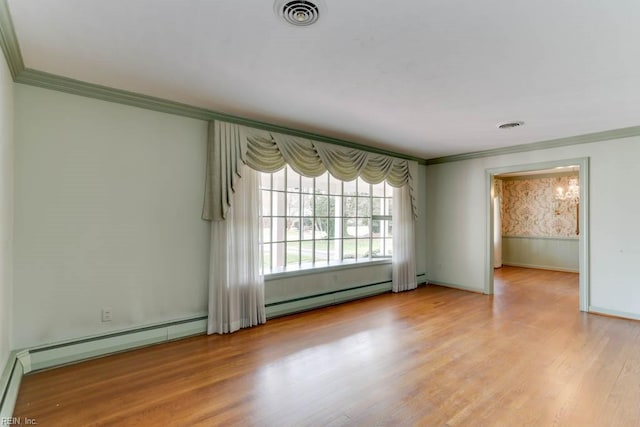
<point>510,125</point>
<point>298,12</point>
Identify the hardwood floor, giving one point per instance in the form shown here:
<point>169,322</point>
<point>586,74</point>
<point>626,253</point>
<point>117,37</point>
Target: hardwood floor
<point>435,356</point>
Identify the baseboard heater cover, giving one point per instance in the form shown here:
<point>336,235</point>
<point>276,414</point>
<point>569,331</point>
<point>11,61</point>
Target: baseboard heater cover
<point>73,351</point>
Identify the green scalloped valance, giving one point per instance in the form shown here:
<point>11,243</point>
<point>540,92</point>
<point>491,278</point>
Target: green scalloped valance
<point>231,145</point>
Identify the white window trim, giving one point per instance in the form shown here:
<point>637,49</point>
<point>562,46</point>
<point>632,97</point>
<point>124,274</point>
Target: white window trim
<point>317,269</point>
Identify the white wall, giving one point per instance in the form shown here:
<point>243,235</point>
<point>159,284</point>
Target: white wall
<point>108,201</point>
<point>6,209</point>
<point>456,219</point>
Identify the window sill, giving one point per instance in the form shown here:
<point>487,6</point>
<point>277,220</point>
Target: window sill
<point>305,270</point>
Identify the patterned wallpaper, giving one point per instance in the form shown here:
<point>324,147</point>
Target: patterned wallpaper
<point>529,207</point>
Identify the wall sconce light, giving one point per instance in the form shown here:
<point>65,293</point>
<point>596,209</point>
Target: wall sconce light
<point>572,194</point>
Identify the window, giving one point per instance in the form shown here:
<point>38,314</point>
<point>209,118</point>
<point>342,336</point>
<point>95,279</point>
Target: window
<point>322,221</point>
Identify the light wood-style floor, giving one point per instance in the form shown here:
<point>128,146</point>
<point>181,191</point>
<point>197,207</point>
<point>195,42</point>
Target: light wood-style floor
<point>431,357</point>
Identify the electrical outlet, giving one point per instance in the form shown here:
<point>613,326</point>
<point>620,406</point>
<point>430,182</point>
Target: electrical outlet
<point>107,314</point>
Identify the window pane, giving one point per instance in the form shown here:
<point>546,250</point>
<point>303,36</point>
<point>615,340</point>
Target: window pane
<point>335,250</point>
<point>322,184</point>
<point>335,186</point>
<point>266,257</point>
<point>293,231</point>
<point>334,228</point>
<point>377,206</point>
<point>265,181</point>
<point>307,205</point>
<point>363,227</point>
<point>389,207</point>
<point>278,230</point>
<point>377,247</point>
<point>306,251</point>
<point>278,207</point>
<point>293,180</point>
<point>266,230</point>
<point>349,187</point>
<point>349,227</point>
<point>278,180</point>
<point>293,253</point>
<point>321,229</point>
<point>321,252</point>
<point>378,189</point>
<point>293,204</point>
<point>364,206</point>
<point>364,189</point>
<point>277,256</point>
<point>325,227</point>
<point>350,206</point>
<point>335,206</point>
<point>388,190</point>
<point>363,248</point>
<point>388,247</point>
<point>307,228</point>
<point>349,248</point>
<point>322,205</point>
<point>266,202</point>
<point>376,228</point>
<point>307,185</point>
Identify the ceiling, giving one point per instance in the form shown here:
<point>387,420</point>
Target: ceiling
<point>420,77</point>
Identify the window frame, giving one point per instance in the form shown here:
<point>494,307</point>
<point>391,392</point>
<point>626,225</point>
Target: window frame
<point>279,212</point>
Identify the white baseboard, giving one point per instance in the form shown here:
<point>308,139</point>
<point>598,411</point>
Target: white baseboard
<point>541,267</point>
<point>614,313</point>
<point>9,385</point>
<point>101,345</point>
<point>454,286</point>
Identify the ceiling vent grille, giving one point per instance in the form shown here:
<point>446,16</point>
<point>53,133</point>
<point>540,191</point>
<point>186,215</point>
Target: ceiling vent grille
<point>298,12</point>
<point>510,125</point>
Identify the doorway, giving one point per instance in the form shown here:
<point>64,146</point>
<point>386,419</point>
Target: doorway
<point>582,223</point>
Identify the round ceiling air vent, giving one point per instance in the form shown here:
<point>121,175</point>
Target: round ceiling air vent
<point>298,12</point>
<point>510,125</point>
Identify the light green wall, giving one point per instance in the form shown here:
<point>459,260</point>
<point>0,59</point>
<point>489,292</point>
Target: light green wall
<point>107,214</point>
<point>6,209</point>
<point>108,204</point>
<point>548,253</point>
<point>457,223</point>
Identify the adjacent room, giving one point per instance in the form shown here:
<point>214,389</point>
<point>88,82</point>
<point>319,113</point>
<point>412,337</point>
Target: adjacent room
<point>313,212</point>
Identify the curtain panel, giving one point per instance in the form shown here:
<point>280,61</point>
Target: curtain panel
<point>236,283</point>
<point>266,151</point>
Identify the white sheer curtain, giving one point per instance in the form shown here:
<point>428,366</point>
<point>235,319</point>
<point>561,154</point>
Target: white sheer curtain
<point>236,284</point>
<point>404,257</point>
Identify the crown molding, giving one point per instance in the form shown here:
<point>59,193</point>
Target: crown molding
<point>104,93</point>
<point>9,41</point>
<point>542,145</point>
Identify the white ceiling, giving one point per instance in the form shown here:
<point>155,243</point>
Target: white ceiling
<point>421,77</point>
